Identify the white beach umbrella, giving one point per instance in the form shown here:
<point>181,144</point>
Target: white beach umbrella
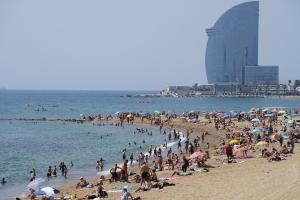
<point>255,120</point>
<point>48,191</point>
<point>35,183</point>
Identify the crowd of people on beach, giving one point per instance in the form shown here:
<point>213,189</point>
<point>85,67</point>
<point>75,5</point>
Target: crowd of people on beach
<point>260,133</point>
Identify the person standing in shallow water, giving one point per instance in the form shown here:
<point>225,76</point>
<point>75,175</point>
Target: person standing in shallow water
<point>131,159</point>
<point>49,172</point>
<point>54,171</point>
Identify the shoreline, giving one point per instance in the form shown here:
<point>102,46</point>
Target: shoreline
<point>219,167</point>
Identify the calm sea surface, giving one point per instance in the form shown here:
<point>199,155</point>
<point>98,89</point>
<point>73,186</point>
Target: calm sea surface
<point>24,144</point>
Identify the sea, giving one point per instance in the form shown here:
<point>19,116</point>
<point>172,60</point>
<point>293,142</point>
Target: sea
<point>26,144</point>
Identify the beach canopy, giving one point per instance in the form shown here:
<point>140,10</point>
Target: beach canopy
<point>197,154</point>
<point>35,183</point>
<point>261,143</point>
<point>255,120</point>
<point>282,112</point>
<point>266,110</point>
<point>234,142</point>
<point>48,191</point>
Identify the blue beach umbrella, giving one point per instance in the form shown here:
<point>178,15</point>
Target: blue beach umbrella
<point>256,131</point>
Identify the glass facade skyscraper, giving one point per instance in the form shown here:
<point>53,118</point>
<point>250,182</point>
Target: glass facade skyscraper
<point>233,44</point>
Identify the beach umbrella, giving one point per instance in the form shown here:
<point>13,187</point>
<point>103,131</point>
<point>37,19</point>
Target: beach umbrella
<point>234,142</point>
<point>48,191</point>
<point>281,112</point>
<point>242,149</point>
<point>193,120</point>
<point>197,154</point>
<point>156,112</point>
<point>261,143</point>
<point>268,115</point>
<point>192,111</point>
<point>255,120</point>
<point>285,137</point>
<point>275,137</point>
<point>266,110</point>
<point>256,130</point>
<point>36,182</point>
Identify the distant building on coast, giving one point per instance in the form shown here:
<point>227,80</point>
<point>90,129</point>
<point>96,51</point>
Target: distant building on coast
<point>232,60</point>
<point>232,49</point>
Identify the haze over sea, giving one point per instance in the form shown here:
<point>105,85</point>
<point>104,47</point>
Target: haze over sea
<point>25,144</point>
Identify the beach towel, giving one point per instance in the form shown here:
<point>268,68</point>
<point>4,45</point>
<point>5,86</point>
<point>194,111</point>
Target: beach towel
<point>128,187</point>
<point>169,178</point>
<point>246,157</point>
<point>113,191</point>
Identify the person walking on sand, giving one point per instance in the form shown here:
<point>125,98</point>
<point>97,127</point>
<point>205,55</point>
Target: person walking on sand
<point>179,145</point>
<point>229,152</point>
<point>185,164</point>
<point>145,174</point>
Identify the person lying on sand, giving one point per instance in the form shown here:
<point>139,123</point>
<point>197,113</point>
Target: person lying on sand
<point>99,193</point>
<point>82,183</point>
<point>181,173</point>
<point>275,156</point>
<point>265,153</point>
<point>159,185</point>
<point>202,164</point>
<point>154,176</point>
<point>284,150</point>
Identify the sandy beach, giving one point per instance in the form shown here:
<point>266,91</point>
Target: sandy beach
<point>254,178</point>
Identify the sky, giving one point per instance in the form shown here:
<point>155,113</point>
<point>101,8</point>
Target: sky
<point>129,45</point>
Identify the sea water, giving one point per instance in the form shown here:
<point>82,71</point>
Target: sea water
<point>27,144</point>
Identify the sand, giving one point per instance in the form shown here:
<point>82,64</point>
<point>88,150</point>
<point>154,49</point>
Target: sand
<point>251,179</point>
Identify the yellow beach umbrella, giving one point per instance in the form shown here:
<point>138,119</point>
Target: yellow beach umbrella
<point>261,143</point>
<point>234,142</point>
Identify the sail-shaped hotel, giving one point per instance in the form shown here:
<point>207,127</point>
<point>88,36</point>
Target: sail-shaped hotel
<point>232,49</point>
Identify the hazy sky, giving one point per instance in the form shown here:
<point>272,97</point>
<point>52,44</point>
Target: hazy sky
<point>129,44</point>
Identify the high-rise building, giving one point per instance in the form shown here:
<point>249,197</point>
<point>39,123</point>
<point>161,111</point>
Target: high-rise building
<point>233,45</point>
